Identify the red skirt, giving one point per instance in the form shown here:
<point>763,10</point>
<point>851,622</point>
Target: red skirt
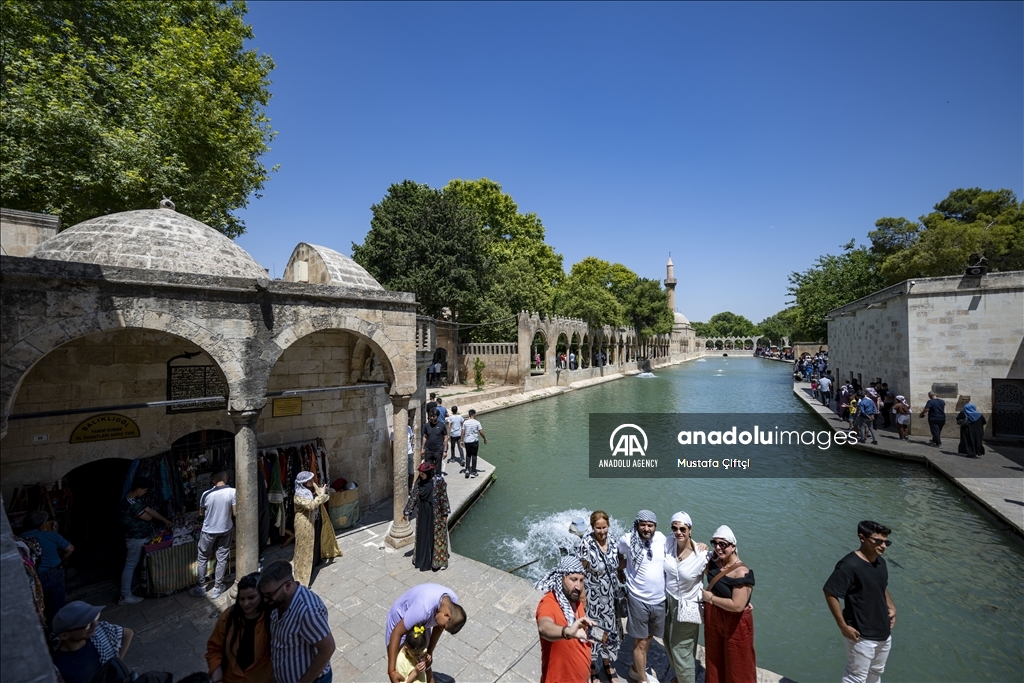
<point>729,646</point>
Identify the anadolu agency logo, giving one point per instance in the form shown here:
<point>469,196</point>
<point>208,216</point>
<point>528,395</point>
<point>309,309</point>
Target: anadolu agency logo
<point>630,442</point>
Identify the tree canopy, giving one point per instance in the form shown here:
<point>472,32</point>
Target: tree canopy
<point>964,227</point>
<point>725,324</point>
<point>107,106</point>
<point>425,241</point>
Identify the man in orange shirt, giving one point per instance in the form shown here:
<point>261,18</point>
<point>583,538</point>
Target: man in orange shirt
<point>564,648</point>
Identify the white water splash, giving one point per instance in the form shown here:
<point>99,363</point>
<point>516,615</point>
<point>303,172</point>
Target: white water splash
<point>544,538</point>
<point>646,375</point>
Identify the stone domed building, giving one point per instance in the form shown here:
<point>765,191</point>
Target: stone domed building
<point>168,335</point>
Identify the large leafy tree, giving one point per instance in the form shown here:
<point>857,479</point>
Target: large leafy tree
<point>778,326</point>
<point>725,324</point>
<point>425,241</point>
<point>587,293</point>
<point>645,306</point>
<point>830,283</point>
<point>965,226</point>
<point>107,106</point>
<point>522,268</point>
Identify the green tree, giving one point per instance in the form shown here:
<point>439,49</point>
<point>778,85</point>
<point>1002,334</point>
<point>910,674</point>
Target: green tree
<point>725,324</point>
<point>523,268</point>
<point>893,235</point>
<point>645,306</point>
<point>777,326</point>
<point>424,241</point>
<point>107,106</point>
<point>965,226</point>
<point>587,292</point>
<point>830,283</point>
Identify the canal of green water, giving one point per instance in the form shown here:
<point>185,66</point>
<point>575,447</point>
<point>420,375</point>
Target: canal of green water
<point>954,575</point>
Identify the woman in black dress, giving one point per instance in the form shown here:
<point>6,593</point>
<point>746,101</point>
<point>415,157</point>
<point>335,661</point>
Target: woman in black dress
<point>972,429</point>
<point>429,500</point>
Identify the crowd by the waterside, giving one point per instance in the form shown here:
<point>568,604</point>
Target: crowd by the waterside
<point>863,408</point>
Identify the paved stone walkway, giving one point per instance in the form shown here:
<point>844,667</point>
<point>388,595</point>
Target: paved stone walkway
<point>995,480</point>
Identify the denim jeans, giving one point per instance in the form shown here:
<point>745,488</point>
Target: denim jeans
<point>131,561</point>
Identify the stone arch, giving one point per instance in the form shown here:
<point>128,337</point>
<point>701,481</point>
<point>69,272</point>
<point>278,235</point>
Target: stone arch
<point>26,352</point>
<point>539,346</point>
<point>719,345</point>
<point>401,378</point>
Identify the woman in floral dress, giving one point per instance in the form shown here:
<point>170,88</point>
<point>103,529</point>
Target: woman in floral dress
<point>598,555</point>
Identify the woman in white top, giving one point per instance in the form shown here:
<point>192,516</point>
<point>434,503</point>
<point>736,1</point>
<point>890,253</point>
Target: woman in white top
<point>685,562</point>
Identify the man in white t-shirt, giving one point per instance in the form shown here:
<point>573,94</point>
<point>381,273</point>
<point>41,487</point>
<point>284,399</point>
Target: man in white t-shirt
<point>825,389</point>
<point>455,437</point>
<point>217,507</point>
<point>472,432</point>
<point>642,569</point>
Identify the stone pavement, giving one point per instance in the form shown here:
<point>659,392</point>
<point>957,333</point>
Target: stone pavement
<point>995,480</point>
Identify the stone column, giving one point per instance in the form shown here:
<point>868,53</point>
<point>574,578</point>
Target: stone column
<point>401,533</point>
<point>247,530</point>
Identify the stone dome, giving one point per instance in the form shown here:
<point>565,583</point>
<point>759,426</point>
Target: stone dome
<point>152,239</point>
<point>680,319</point>
<point>324,266</point>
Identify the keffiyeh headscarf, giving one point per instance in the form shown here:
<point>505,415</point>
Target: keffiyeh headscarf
<point>570,564</point>
<point>300,484</point>
<point>637,545</point>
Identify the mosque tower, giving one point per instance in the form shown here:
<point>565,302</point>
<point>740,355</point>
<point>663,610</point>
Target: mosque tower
<point>670,283</point>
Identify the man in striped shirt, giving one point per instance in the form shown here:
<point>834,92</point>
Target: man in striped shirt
<point>301,643</point>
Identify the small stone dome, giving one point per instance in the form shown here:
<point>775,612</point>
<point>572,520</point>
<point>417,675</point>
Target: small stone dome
<point>323,266</point>
<point>153,239</point>
<point>680,319</point>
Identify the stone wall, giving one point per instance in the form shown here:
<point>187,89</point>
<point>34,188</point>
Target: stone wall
<point>935,331</point>
<point>22,231</point>
<point>352,423</point>
<point>501,360</point>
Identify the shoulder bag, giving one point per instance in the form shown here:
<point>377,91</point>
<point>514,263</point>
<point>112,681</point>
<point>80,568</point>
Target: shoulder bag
<point>688,611</point>
<point>621,605</point>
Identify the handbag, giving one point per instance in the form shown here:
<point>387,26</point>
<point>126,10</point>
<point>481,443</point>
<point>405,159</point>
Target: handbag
<point>902,419</point>
<point>621,605</point>
<point>688,611</point>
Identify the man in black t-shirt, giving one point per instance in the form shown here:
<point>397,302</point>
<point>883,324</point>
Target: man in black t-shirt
<point>435,440</point>
<point>861,580</point>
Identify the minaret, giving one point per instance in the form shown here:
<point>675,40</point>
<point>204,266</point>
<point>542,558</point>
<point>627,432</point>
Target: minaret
<point>670,283</point>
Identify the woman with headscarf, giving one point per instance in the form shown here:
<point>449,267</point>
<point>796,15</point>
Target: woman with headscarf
<point>729,624</point>
<point>600,559</point>
<point>685,562</point>
<point>429,501</point>
<point>972,429</point>
<point>314,539</point>
<point>902,410</point>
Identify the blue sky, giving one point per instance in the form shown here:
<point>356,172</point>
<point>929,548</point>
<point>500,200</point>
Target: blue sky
<point>745,139</point>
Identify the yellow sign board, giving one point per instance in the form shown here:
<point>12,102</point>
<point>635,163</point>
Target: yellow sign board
<point>286,407</point>
<point>105,427</point>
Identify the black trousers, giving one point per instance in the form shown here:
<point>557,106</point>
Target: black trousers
<point>471,451</point>
<point>936,428</point>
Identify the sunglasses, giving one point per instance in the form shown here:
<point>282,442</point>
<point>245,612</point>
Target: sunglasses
<point>720,544</point>
<point>881,541</point>
<point>271,594</point>
<point>679,529</point>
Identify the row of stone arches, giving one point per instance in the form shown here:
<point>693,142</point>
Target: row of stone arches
<point>740,343</point>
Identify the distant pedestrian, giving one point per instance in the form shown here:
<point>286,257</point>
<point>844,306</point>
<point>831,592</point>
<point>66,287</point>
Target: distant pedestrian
<point>888,401</point>
<point>599,557</point>
<point>442,411</point>
<point>217,508</point>
<point>455,436</point>
<point>729,623</point>
<point>301,642</point>
<point>431,605</point>
<point>428,499</point>
<point>825,389</point>
<point>572,360</point>
<point>434,442</point>
<point>867,410</point>
<point>642,570</point>
<point>902,410</point>
<point>472,432</point>
<point>50,568</point>
<point>562,625</point>
<point>861,580</point>
<point>137,522</point>
<point>972,429</point>
<point>935,409</point>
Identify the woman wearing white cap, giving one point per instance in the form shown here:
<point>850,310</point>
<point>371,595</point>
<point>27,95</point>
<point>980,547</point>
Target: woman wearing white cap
<point>685,563</point>
<point>729,624</point>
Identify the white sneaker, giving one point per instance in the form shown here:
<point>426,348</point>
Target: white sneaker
<point>216,592</point>
<point>129,600</point>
